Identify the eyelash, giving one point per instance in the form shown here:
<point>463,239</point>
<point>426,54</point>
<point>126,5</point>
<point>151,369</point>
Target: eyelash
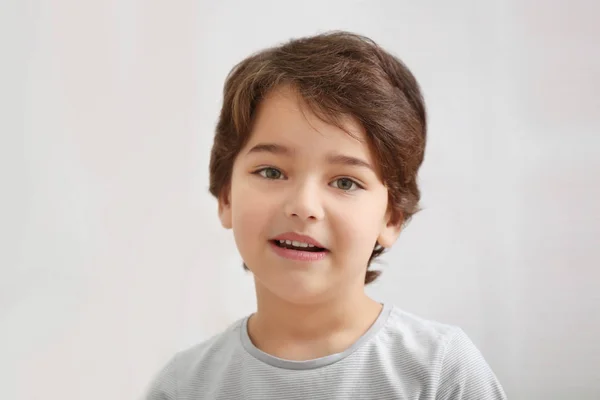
<point>261,170</point>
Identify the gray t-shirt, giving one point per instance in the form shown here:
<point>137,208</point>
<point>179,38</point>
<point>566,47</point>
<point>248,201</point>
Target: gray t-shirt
<point>401,356</point>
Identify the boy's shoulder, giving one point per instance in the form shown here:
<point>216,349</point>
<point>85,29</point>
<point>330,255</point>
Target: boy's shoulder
<point>414,329</point>
<point>408,339</point>
<point>212,351</point>
<point>197,364</point>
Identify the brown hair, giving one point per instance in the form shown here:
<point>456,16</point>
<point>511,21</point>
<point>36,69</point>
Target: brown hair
<point>335,73</point>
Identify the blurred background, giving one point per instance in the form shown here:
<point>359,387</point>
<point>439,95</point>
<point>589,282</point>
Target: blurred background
<point>112,257</point>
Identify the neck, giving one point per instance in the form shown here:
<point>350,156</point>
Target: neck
<point>306,331</point>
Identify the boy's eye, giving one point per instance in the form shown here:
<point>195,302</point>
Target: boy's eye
<point>270,173</point>
<point>345,184</point>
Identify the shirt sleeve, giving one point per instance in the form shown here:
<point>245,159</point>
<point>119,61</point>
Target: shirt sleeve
<point>164,385</point>
<point>465,375</point>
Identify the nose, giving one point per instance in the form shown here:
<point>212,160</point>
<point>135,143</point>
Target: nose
<point>304,203</point>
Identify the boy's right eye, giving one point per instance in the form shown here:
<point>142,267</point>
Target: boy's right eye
<point>270,173</point>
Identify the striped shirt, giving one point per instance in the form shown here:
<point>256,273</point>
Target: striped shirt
<point>401,356</point>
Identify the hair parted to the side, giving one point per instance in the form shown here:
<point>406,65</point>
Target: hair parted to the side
<point>335,74</point>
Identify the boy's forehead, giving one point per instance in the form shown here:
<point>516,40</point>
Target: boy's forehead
<point>283,114</point>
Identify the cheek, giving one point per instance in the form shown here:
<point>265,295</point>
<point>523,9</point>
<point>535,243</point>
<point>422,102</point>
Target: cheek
<point>358,228</point>
<point>250,213</point>
<point>357,232</point>
<point>247,215</point>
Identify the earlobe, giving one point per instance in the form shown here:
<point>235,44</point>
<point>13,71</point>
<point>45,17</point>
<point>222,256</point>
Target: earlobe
<point>225,210</point>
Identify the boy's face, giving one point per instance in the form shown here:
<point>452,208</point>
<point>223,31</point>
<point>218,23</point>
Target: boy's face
<point>300,175</point>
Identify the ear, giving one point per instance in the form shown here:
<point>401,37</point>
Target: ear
<point>392,225</point>
<point>225,209</point>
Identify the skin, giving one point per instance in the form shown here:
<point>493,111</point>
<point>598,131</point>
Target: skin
<point>305,182</point>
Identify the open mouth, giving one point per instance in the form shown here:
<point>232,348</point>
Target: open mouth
<point>298,246</point>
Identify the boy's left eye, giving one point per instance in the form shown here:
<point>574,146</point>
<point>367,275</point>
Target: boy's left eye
<point>345,184</point>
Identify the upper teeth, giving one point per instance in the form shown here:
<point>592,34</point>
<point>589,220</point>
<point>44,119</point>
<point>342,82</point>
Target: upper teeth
<point>296,243</point>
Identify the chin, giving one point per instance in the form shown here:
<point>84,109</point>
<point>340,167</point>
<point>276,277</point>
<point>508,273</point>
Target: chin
<point>297,291</point>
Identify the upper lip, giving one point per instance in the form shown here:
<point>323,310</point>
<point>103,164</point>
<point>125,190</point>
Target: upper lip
<point>298,238</point>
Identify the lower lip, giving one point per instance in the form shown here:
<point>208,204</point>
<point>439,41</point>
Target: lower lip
<point>298,255</point>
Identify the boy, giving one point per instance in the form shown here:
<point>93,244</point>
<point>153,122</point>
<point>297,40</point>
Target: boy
<point>314,166</point>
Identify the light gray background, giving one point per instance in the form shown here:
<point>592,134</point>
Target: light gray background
<point>112,257</point>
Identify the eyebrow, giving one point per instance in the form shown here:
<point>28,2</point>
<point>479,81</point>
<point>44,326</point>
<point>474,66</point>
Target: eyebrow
<point>350,161</point>
<point>270,148</point>
<point>339,159</point>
